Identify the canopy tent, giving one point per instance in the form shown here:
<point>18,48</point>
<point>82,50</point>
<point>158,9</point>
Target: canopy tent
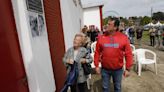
<point>150,25</point>
<point>163,25</point>
<point>158,24</point>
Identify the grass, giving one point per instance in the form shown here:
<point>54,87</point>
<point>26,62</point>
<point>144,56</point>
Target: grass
<point>145,36</point>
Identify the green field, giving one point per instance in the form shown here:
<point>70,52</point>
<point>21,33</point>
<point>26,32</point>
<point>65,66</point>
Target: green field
<point>145,37</point>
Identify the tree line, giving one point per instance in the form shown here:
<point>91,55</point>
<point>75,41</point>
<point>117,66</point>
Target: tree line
<point>141,20</point>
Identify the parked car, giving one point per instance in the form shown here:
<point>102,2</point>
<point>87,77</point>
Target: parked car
<point>146,28</point>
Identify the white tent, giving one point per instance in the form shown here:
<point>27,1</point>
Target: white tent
<point>162,24</point>
<point>158,24</point>
<point>150,24</point>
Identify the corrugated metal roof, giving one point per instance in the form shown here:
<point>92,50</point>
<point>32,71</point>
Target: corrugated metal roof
<point>92,3</point>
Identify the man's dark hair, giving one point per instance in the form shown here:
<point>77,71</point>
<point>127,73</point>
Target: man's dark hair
<point>116,21</point>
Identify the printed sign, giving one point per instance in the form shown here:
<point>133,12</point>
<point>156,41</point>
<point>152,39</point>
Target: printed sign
<point>34,5</point>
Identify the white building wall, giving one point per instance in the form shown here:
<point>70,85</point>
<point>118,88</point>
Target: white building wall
<point>71,17</point>
<point>92,17</point>
<point>35,51</point>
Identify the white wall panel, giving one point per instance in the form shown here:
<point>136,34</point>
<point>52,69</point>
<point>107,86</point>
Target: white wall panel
<point>92,17</point>
<point>71,17</point>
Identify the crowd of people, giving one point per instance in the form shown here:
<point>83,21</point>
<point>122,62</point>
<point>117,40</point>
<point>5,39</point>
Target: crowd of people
<point>156,35</point>
<point>113,38</point>
<point>92,32</point>
<point>134,33</point>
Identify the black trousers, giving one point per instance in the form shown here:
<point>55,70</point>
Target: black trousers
<point>152,40</point>
<point>80,87</point>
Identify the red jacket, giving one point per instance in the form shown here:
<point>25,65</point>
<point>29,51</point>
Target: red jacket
<point>111,50</point>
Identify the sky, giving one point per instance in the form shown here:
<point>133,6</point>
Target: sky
<point>127,8</point>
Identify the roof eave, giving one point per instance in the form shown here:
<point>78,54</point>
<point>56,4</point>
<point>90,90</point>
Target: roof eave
<point>84,7</point>
<point>91,4</point>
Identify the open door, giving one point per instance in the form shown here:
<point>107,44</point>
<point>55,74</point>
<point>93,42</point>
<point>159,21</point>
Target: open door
<point>12,73</point>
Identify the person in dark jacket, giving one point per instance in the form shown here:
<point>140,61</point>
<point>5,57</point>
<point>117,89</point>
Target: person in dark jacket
<point>92,33</point>
<point>139,32</point>
<point>131,35</point>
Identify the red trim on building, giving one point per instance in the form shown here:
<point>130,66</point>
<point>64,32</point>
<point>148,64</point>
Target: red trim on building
<point>56,40</point>
<point>101,18</point>
<point>12,71</point>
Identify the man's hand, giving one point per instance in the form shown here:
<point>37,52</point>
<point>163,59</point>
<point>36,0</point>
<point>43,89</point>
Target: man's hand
<point>70,61</point>
<point>97,69</point>
<point>83,60</point>
<point>126,73</point>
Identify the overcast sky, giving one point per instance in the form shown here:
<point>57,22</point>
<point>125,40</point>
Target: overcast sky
<point>128,8</point>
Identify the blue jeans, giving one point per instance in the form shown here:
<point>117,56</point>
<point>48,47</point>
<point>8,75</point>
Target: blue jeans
<point>116,76</point>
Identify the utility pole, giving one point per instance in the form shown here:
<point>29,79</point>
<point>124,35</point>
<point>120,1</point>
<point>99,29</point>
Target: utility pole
<point>151,13</point>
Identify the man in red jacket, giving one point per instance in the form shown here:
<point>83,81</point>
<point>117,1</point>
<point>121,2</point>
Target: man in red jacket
<point>111,48</point>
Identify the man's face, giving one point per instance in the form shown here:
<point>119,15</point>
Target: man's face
<point>77,41</point>
<point>111,26</point>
